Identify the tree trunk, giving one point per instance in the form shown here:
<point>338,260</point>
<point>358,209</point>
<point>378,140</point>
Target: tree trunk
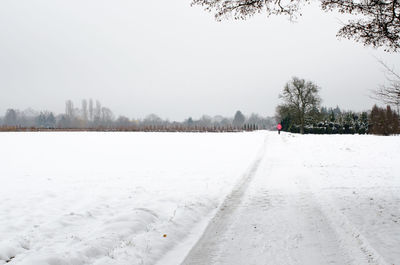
<point>302,122</point>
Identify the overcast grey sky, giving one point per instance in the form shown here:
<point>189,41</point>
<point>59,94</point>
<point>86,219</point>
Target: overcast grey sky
<point>165,57</point>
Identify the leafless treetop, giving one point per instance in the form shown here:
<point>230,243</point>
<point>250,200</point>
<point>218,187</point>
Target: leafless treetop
<point>377,22</point>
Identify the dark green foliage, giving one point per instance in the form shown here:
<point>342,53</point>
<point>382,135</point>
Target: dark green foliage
<point>46,120</point>
<point>329,121</point>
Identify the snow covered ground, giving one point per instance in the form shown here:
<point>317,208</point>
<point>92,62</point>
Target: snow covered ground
<point>313,200</point>
<point>176,198</point>
<point>109,198</point>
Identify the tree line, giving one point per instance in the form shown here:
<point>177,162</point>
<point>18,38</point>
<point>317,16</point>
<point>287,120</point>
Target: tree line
<point>91,115</point>
<point>301,112</point>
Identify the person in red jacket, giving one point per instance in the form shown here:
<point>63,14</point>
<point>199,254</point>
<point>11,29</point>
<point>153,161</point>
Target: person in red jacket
<point>279,127</point>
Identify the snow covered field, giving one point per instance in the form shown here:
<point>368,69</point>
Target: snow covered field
<point>108,198</point>
<point>177,198</point>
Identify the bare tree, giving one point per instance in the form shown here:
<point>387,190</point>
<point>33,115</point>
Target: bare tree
<point>301,100</point>
<point>153,120</point>
<point>97,113</point>
<point>205,121</point>
<point>107,117</point>
<point>377,23</point>
<point>69,108</point>
<point>122,122</point>
<point>84,111</point>
<point>90,109</point>
<point>389,94</point>
<point>11,118</point>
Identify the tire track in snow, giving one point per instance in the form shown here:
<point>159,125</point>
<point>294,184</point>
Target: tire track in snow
<point>202,252</point>
<point>352,241</point>
<point>320,234</point>
<point>350,238</point>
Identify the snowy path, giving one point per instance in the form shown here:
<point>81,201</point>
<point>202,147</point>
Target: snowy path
<point>233,198</point>
<point>203,252</point>
<point>282,214</point>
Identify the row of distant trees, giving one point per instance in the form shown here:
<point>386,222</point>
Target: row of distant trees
<point>301,112</point>
<point>88,116</point>
<point>91,115</point>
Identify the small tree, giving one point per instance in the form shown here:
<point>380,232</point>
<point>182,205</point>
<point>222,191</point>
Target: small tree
<point>301,101</point>
<point>51,120</point>
<point>41,120</point>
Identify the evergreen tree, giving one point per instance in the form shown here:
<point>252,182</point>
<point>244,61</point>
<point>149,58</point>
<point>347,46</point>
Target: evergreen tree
<point>239,119</point>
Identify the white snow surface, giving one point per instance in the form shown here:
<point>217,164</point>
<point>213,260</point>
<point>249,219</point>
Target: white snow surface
<point>206,198</point>
<point>109,198</point>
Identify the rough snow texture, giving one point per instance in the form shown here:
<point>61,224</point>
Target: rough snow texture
<point>314,200</point>
<point>109,198</point>
<point>242,198</point>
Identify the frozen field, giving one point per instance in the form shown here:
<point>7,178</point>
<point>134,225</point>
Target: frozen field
<point>176,198</point>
